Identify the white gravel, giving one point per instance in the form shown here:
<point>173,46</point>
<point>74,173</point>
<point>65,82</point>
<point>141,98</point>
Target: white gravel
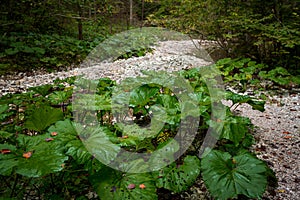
<point>277,128</point>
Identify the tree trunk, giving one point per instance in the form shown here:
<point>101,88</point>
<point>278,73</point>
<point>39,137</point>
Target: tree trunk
<point>143,8</point>
<point>79,21</point>
<point>130,12</point>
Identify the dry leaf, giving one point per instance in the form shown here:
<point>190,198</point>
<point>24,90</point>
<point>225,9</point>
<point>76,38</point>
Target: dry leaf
<point>49,139</point>
<point>131,186</point>
<point>27,154</point>
<point>53,133</point>
<point>5,151</point>
<point>142,186</point>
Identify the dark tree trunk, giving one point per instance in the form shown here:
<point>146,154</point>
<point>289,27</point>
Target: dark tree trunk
<point>79,21</point>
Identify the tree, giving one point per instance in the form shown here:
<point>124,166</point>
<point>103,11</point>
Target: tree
<point>267,31</point>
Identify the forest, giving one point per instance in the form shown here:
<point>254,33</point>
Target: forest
<point>47,153</point>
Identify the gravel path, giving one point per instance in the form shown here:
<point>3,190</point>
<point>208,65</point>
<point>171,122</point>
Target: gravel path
<point>278,134</point>
<point>277,128</point>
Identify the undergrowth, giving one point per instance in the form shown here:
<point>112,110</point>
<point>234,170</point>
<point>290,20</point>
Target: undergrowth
<point>44,151</point>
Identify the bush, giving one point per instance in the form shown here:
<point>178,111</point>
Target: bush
<point>25,52</point>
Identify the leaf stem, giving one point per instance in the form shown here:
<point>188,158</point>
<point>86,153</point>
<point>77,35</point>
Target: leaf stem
<point>14,186</point>
<point>52,183</point>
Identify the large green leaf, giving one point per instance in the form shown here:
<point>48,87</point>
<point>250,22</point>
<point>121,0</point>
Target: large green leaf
<point>3,108</point>
<point>239,99</point>
<point>59,96</point>
<point>92,102</point>
<point>164,154</point>
<point>42,118</point>
<point>143,95</point>
<point>43,89</point>
<point>47,157</point>
<point>86,143</point>
<point>7,161</point>
<point>64,129</point>
<point>235,129</point>
<point>115,185</point>
<point>171,108</point>
<point>67,135</point>
<point>99,144</point>
<point>4,111</point>
<point>178,178</point>
<point>227,177</point>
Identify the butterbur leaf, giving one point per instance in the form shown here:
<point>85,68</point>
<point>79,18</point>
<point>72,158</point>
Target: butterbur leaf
<point>227,177</point>
<point>257,105</point>
<point>237,98</point>
<point>5,135</point>
<point>224,61</point>
<point>66,128</point>
<point>4,111</point>
<point>143,95</point>
<point>97,143</point>
<point>39,159</point>
<point>42,118</point>
<point>165,152</point>
<point>92,102</point>
<point>59,96</point>
<point>7,161</point>
<point>179,178</point>
<point>235,128</point>
<point>43,90</point>
<point>69,138</point>
<point>115,185</point>
<point>3,108</point>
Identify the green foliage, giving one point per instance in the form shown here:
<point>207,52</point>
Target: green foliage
<point>42,90</point>
<point>46,158</point>
<point>43,147</point>
<point>42,118</point>
<point>266,31</point>
<point>135,53</point>
<point>280,76</point>
<point>24,52</point>
<point>179,177</point>
<point>4,111</point>
<point>227,177</point>
<point>235,129</point>
<point>243,73</point>
<point>67,135</point>
<point>238,99</point>
<point>112,184</point>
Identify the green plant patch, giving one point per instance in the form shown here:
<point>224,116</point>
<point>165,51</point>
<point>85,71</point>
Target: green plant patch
<point>244,73</point>
<point>35,156</point>
<point>29,51</point>
<point>112,184</point>
<point>45,145</point>
<point>179,177</point>
<point>238,99</point>
<point>227,177</point>
<point>42,118</point>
